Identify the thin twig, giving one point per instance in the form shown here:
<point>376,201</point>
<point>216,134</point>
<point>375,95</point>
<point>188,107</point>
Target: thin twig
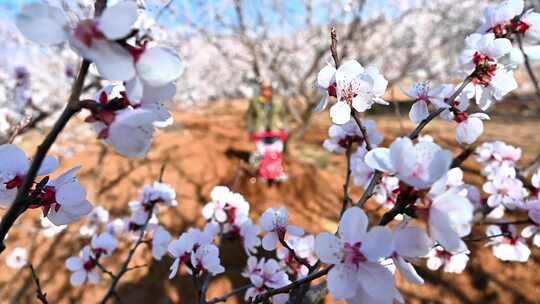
<point>265,296</point>
<point>226,296</point>
<point>116,278</point>
<point>125,266</point>
<point>528,65</point>
<point>375,179</point>
<point>40,295</point>
<point>363,129</point>
<point>346,198</point>
<point>162,10</point>
<point>295,256</point>
<point>333,46</point>
<point>137,266</point>
<point>483,238</point>
<point>399,207</point>
<point>103,268</point>
<point>516,222</point>
<point>458,160</point>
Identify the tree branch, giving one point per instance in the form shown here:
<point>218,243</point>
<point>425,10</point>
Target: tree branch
<point>346,197</point>
<point>226,296</point>
<point>40,295</point>
<point>264,297</point>
<point>20,204</point>
<point>125,266</point>
<point>458,160</point>
<point>116,278</point>
<point>528,65</point>
<point>333,46</point>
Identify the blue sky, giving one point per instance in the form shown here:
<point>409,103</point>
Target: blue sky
<point>253,8</point>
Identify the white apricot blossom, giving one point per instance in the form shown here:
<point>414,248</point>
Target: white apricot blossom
<point>449,217</point>
<point>14,167</point>
<point>342,136</point>
<point>451,262</point>
<point>274,223</point>
<point>18,258</point>
<point>506,191</point>
<point>191,247</point>
<point>227,208</point>
<point>424,95</point>
<point>491,80</point>
<point>356,256</point>
<point>506,244</point>
<point>160,242</point>
<point>63,199</point>
<point>304,248</point>
<point>103,245</point>
<point>418,165</point>
<point>410,244</point>
<point>353,86</point>
<point>98,39</point>
<point>265,274</point>
<point>83,267</point>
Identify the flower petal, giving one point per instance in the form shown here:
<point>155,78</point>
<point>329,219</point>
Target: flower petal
<point>158,66</point>
<point>77,278</point>
<point>117,21</point>
<point>42,23</point>
<point>353,225</point>
<point>342,282</point>
<point>340,113</point>
<point>379,159</point>
<point>377,244</point>
<point>328,247</point>
<point>74,263</point>
<point>412,242</point>
<point>326,76</point>
<point>408,272</point>
<point>377,281</point>
<point>269,241</point>
<point>419,111</point>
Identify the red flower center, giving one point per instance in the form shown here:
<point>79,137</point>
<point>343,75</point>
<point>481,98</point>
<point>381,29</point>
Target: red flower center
<point>16,182</point>
<point>136,52</point>
<point>231,213</point>
<point>350,139</point>
<point>353,255</point>
<point>89,265</point>
<point>332,91</point>
<point>86,31</point>
<point>522,27</point>
<point>443,254</point>
<point>461,117</point>
<point>485,69</point>
<point>48,200</point>
<point>348,95</point>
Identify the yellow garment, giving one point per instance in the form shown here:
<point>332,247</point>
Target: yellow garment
<point>264,115</point>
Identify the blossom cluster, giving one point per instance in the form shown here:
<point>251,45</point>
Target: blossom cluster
<point>126,113</point>
<point>62,200</point>
<point>106,232</point>
<point>419,179</point>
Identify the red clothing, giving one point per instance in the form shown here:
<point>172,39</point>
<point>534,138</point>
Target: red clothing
<point>270,146</point>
